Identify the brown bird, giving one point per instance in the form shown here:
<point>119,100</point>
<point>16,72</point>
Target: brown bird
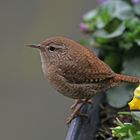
<point>75,71</point>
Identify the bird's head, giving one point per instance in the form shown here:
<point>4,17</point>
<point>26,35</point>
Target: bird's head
<point>56,50</point>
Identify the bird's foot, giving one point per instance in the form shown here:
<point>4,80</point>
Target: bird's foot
<point>78,104</point>
<point>78,101</point>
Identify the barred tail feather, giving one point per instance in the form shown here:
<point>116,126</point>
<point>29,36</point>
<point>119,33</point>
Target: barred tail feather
<point>129,79</point>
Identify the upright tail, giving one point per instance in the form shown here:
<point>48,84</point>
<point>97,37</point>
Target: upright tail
<point>129,79</point>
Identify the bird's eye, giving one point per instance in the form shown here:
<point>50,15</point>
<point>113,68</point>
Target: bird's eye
<point>51,48</point>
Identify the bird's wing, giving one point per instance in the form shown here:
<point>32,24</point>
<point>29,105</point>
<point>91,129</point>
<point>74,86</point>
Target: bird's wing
<point>86,71</point>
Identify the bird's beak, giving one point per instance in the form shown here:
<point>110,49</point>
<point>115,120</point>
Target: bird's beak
<point>38,46</point>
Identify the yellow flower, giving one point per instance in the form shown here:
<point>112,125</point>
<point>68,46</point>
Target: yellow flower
<point>135,103</point>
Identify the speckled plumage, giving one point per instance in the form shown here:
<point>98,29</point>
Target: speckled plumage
<point>75,71</point>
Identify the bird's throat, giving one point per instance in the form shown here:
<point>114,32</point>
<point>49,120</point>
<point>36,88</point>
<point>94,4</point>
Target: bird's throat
<point>44,63</point>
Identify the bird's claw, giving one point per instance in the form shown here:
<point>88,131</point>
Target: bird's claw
<point>78,104</point>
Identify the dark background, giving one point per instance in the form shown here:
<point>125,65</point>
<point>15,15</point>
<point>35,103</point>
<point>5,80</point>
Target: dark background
<point>30,109</point>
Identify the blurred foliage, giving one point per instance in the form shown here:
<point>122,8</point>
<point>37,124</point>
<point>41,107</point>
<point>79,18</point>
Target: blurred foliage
<point>114,28</point>
<point>127,130</point>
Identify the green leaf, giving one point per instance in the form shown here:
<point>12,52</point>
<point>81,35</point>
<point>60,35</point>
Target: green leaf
<point>98,17</point>
<point>114,60</point>
<point>90,15</point>
<point>103,18</point>
<point>124,131</point>
<point>132,67</point>
<point>137,9</point>
<point>118,9</point>
<point>137,41</point>
<point>113,25</point>
<point>118,97</point>
<point>132,24</point>
<point>131,64</point>
<point>103,34</point>
<point>125,45</point>
<point>101,40</point>
<point>117,32</point>
<point>136,115</point>
<point>83,42</point>
<point>107,12</point>
<point>137,137</point>
<point>132,33</point>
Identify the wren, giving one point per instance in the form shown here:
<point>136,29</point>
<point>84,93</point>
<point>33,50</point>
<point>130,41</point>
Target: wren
<point>75,71</point>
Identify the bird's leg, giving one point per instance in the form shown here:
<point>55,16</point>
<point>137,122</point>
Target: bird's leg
<point>77,101</point>
<point>78,104</point>
<point>74,112</point>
